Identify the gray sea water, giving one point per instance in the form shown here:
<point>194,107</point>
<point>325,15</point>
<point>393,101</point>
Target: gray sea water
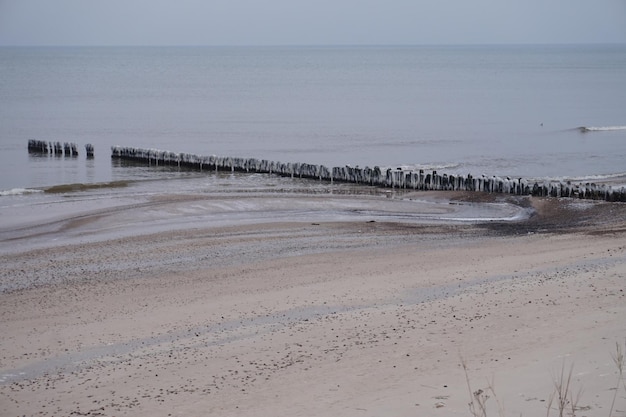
<point>494,110</point>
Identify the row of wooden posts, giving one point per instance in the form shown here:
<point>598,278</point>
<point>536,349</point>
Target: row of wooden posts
<point>56,148</point>
<point>388,178</point>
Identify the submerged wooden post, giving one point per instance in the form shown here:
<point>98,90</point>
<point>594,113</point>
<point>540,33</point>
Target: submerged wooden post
<point>89,150</point>
<point>37,146</point>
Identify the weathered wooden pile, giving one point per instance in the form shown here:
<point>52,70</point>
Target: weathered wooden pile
<point>89,150</point>
<point>55,148</point>
<point>389,178</point>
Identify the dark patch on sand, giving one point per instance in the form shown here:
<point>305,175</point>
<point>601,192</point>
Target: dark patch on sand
<point>563,215</point>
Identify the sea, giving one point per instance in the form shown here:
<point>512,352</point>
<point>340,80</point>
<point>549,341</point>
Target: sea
<point>531,111</point>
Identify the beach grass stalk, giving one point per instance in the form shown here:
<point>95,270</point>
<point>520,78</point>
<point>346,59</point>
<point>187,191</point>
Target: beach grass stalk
<point>478,398</point>
<point>562,396</point>
<point>618,359</point>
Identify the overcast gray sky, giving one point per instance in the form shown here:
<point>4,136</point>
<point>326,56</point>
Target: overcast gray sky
<point>312,22</point>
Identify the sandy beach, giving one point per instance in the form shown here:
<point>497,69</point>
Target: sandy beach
<point>312,314</point>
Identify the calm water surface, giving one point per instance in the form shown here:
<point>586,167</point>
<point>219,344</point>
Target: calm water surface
<point>495,110</point>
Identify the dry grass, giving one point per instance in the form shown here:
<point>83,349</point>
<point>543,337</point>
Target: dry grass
<point>618,359</point>
<point>563,400</point>
<point>478,403</point>
<point>563,397</point>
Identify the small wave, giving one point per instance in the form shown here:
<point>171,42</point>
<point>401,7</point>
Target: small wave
<point>601,178</point>
<point>615,181</point>
<point>425,167</point>
<point>19,191</point>
<point>600,128</point>
<point>69,188</point>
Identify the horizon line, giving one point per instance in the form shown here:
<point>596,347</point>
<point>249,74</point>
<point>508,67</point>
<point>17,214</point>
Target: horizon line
<point>311,45</point>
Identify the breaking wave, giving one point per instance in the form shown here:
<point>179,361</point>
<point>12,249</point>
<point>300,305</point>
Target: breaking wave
<point>19,191</point>
<point>600,128</point>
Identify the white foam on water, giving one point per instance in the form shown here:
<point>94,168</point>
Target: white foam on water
<point>19,191</point>
<point>601,128</point>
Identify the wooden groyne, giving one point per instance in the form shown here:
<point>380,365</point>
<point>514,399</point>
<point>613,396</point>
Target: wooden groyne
<point>89,150</point>
<point>376,176</point>
<point>54,148</point>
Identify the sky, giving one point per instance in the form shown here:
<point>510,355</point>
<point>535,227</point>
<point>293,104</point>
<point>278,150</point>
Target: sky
<point>312,22</point>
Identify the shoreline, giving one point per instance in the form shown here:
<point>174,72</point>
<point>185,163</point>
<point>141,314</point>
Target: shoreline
<point>87,218</point>
<point>316,317</point>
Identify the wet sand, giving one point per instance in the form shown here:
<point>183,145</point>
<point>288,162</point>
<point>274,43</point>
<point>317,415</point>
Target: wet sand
<point>354,310</point>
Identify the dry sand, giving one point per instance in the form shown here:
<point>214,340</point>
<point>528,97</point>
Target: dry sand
<point>327,318</point>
